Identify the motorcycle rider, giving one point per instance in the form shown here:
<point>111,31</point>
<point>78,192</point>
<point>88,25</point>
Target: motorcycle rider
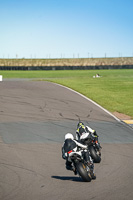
<point>87,132</point>
<point>71,144</point>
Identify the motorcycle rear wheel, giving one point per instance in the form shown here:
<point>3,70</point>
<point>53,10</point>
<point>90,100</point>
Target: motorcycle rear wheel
<point>95,157</point>
<point>81,169</point>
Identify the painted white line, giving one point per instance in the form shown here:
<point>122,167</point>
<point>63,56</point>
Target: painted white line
<point>91,102</point>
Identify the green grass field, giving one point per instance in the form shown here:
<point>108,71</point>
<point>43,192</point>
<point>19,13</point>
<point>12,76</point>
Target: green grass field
<point>113,91</point>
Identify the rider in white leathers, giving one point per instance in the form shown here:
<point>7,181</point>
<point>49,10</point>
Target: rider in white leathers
<point>71,144</point>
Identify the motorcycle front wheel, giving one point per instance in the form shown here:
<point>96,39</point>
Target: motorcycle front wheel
<point>81,169</point>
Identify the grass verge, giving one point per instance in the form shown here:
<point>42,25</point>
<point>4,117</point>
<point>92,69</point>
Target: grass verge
<point>113,90</point>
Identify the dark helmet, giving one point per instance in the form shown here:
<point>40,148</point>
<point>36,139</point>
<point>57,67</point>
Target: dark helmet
<point>80,124</point>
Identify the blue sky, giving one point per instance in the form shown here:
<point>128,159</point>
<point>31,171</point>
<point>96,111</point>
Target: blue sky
<point>66,28</point>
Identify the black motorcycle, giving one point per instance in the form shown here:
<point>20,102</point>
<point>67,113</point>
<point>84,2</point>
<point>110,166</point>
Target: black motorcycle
<point>80,166</point>
<point>93,146</point>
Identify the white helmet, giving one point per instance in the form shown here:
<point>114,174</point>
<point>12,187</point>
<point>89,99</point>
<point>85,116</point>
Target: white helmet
<point>69,136</point>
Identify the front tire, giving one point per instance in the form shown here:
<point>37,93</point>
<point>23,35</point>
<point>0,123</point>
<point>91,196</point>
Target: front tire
<point>81,169</point>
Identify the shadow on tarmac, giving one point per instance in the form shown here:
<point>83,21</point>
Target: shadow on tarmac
<point>68,178</point>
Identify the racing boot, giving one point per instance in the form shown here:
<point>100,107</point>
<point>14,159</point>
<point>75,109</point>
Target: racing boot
<point>69,165</point>
<point>91,166</point>
<point>75,171</point>
<point>93,176</point>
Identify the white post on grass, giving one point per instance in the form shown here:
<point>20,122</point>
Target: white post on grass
<point>0,77</point>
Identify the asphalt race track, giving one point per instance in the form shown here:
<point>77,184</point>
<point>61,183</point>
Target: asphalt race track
<point>34,117</point>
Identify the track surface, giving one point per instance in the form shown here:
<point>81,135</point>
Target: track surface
<point>34,117</point>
